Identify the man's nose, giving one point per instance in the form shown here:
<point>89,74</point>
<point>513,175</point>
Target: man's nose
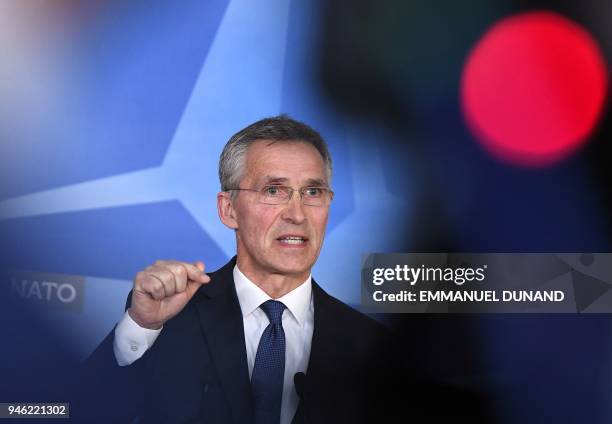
<point>294,209</point>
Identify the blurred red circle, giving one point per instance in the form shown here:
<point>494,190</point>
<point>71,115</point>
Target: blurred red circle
<point>533,88</point>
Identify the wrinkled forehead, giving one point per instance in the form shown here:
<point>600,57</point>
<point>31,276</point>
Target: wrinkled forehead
<point>292,163</point>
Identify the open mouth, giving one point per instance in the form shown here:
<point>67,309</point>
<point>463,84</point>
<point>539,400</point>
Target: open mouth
<point>293,240</point>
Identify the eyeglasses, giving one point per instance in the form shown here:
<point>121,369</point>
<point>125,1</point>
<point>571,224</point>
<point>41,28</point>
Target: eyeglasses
<point>280,195</point>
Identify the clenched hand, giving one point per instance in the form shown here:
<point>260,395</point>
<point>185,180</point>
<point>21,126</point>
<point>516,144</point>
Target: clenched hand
<point>163,289</point>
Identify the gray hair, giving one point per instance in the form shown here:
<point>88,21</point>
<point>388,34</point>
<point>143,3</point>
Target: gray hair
<point>278,128</point>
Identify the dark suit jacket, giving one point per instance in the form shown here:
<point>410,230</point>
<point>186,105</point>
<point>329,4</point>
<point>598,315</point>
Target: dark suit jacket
<point>197,369</point>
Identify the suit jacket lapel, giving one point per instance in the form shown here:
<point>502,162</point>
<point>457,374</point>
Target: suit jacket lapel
<point>222,327</point>
<point>322,337</point>
<point>321,353</point>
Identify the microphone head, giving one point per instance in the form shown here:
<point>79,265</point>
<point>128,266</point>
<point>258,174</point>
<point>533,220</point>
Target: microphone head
<point>299,380</point>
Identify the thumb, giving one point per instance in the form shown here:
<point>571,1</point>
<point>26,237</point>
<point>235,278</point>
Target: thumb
<point>193,285</point>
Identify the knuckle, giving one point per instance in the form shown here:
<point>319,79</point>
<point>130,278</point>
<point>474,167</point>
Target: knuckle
<point>173,269</point>
<point>158,288</point>
<point>180,270</point>
<point>148,285</point>
<point>170,277</point>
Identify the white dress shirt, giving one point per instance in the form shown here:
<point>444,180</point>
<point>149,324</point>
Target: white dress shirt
<point>131,341</point>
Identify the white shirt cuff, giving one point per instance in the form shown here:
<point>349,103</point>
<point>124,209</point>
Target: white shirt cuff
<point>131,340</point>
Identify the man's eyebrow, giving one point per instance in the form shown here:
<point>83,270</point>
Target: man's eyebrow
<point>316,182</point>
<point>310,182</point>
<point>269,179</point>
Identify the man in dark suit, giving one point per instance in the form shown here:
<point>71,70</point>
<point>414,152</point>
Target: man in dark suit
<point>257,341</point>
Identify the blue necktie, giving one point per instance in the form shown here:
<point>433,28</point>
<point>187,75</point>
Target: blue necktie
<point>269,368</point>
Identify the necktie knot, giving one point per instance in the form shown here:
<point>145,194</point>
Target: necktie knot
<point>274,310</point>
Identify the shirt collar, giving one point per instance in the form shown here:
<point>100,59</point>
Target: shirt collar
<point>250,296</point>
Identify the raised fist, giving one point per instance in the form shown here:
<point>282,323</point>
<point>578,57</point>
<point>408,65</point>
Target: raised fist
<point>163,289</point>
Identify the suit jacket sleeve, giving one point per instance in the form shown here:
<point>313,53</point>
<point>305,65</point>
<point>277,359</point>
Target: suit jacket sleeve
<point>109,392</point>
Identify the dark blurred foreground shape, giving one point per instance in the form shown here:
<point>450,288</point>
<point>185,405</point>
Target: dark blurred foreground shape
<point>400,64</point>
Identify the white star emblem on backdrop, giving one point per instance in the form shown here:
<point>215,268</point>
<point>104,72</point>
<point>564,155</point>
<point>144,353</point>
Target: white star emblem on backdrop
<point>240,82</point>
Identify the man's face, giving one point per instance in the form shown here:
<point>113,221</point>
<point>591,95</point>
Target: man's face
<point>263,229</point>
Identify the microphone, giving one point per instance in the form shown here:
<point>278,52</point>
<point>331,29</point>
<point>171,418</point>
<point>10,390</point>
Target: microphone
<point>299,379</point>
<point>301,414</point>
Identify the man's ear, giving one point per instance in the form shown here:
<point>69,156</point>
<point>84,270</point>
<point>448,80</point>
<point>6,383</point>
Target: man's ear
<point>225,207</point>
